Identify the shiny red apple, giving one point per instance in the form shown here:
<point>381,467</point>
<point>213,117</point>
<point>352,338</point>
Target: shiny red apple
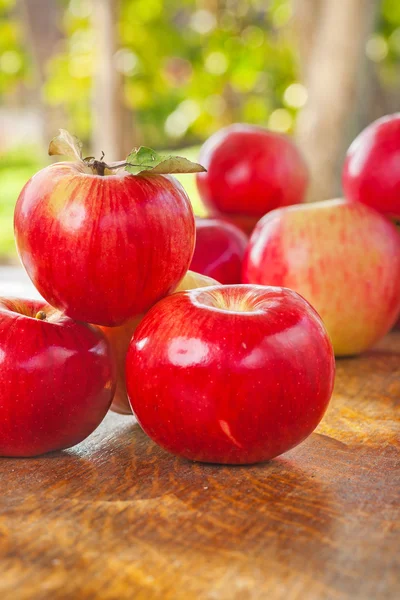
<point>343,257</point>
<point>250,171</point>
<point>119,338</point>
<point>371,172</point>
<point>57,378</point>
<point>230,374</point>
<point>99,243</point>
<point>219,250</point>
<point>103,248</point>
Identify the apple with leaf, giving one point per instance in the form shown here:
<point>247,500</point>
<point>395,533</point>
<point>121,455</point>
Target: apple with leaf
<point>104,242</point>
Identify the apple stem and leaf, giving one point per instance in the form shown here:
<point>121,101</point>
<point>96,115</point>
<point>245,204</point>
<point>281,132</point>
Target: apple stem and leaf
<point>146,160</point>
<point>141,160</point>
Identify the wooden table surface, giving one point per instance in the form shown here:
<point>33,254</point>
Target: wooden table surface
<point>118,518</point>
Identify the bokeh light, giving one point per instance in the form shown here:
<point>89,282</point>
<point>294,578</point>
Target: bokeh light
<point>376,48</point>
<point>295,95</point>
<point>280,120</point>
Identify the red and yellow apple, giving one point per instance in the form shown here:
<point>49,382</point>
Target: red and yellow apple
<point>57,378</point>
<point>250,171</point>
<point>343,257</point>
<point>119,338</point>
<point>219,250</point>
<point>102,247</point>
<point>230,374</point>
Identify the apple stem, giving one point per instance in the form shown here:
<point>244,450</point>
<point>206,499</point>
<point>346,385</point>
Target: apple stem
<point>41,315</point>
<point>99,166</point>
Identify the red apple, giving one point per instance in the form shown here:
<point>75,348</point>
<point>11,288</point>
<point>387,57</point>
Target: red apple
<point>250,171</point>
<point>57,379</point>
<point>343,257</point>
<point>119,338</point>
<point>230,374</point>
<point>219,250</point>
<point>103,245</point>
<point>371,172</point>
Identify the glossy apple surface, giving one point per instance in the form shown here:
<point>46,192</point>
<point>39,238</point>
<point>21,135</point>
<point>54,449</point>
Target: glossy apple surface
<point>250,171</point>
<point>103,248</point>
<point>230,374</point>
<point>119,338</point>
<point>219,250</point>
<point>57,379</point>
<point>371,172</point>
<point>343,257</point>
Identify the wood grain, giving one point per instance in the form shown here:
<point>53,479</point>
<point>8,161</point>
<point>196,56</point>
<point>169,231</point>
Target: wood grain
<point>118,518</point>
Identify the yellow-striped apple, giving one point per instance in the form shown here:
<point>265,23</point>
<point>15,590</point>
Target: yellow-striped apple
<point>343,257</point>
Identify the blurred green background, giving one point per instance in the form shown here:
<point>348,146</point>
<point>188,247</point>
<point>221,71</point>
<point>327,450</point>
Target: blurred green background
<point>168,74</point>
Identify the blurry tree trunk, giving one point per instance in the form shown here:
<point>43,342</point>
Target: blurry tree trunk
<point>109,122</point>
<point>332,80</point>
<point>306,15</point>
<point>41,20</point>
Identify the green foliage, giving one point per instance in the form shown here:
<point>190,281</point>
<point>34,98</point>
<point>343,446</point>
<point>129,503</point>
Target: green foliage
<point>13,60</point>
<point>187,70</point>
<point>386,43</point>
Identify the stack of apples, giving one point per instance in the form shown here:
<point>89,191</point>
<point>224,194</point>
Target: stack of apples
<point>232,364</point>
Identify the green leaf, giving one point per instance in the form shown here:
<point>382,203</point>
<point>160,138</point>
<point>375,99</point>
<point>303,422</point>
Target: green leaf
<point>65,144</point>
<point>146,160</point>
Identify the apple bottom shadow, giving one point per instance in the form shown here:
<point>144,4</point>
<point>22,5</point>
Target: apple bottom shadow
<point>124,464</point>
<point>76,459</point>
<point>145,450</point>
<point>285,503</point>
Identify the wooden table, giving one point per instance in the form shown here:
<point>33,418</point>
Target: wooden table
<point>119,518</point>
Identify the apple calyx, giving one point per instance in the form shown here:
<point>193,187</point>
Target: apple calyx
<point>141,160</point>
<point>41,315</point>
